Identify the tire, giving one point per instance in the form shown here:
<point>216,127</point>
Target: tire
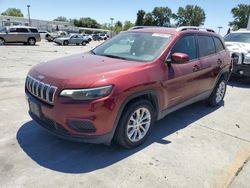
<point>66,42</point>
<point>127,133</point>
<point>89,40</point>
<point>217,96</point>
<point>2,42</point>
<point>32,41</point>
<point>84,43</point>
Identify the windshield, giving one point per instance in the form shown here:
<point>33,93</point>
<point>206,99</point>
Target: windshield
<point>238,37</point>
<point>134,46</point>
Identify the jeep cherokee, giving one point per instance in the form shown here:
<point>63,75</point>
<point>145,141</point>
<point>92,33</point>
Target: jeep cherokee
<point>117,90</point>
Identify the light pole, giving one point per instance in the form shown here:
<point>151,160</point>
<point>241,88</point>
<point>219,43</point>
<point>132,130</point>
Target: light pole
<point>111,19</point>
<point>219,29</point>
<point>28,6</point>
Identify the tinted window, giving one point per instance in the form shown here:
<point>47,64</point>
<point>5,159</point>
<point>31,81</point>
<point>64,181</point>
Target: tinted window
<point>206,45</point>
<point>218,45</point>
<point>186,45</point>
<point>22,30</point>
<point>12,30</point>
<point>33,30</point>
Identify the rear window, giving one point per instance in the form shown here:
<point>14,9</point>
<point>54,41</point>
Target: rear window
<point>218,44</point>
<point>22,30</point>
<point>206,45</point>
<point>33,30</point>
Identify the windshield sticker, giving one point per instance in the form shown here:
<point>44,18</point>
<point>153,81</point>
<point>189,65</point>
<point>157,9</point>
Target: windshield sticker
<point>161,35</point>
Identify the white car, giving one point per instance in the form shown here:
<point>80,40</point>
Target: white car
<point>238,43</point>
<point>43,33</point>
<point>88,37</point>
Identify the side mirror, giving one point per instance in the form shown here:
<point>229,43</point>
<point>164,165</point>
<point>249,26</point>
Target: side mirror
<point>179,58</point>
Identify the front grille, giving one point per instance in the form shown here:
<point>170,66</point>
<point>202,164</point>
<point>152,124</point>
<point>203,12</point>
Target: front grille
<point>41,90</point>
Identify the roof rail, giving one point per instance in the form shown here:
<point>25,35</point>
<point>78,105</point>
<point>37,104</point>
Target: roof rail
<point>142,27</point>
<point>183,28</point>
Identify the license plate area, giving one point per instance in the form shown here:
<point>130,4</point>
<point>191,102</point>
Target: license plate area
<point>35,108</point>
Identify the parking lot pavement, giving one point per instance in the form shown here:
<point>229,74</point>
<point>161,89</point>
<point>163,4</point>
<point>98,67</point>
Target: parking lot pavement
<point>197,146</point>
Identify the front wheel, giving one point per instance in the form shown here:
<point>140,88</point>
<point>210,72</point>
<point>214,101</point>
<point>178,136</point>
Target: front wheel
<point>65,42</point>
<point>218,93</point>
<point>135,124</point>
<point>84,43</point>
<point>2,42</point>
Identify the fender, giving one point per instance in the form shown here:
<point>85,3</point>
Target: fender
<point>152,92</point>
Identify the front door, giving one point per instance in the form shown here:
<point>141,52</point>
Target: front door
<point>182,79</point>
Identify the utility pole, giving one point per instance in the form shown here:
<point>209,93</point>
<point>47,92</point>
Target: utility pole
<point>28,6</point>
<point>219,29</point>
<point>112,19</point>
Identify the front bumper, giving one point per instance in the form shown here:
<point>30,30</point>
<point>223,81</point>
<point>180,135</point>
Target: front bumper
<point>58,130</point>
<point>241,70</point>
<point>58,120</point>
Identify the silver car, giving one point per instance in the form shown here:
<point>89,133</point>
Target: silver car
<point>72,39</point>
<point>19,34</point>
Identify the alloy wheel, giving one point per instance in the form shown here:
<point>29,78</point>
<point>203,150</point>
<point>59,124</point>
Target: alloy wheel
<point>138,124</point>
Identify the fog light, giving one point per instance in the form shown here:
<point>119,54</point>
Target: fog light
<point>241,72</point>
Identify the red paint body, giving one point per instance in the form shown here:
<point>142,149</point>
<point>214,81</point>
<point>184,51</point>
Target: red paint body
<point>173,83</point>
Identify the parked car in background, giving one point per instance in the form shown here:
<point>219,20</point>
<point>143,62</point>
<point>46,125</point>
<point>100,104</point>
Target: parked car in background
<point>103,36</point>
<point>72,39</point>
<point>88,37</point>
<point>51,36</point>
<point>238,43</point>
<point>96,37</point>
<point>19,34</point>
<point>43,33</point>
<point>119,89</point>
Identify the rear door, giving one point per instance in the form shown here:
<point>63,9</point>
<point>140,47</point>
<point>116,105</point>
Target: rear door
<point>182,79</point>
<point>210,62</point>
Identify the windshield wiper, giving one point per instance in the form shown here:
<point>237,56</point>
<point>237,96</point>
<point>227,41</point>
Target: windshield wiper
<point>114,56</point>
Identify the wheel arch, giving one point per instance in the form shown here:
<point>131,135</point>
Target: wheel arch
<point>150,95</point>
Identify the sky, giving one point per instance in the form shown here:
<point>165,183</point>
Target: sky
<point>217,11</point>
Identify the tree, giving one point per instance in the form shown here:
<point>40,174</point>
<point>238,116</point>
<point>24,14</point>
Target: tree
<point>140,18</point>
<point>118,26</point>
<point>162,16</point>
<point>86,22</point>
<point>13,12</point>
<point>241,16</point>
<point>149,19</point>
<point>61,19</point>
<point>190,16</point>
<point>127,25</point>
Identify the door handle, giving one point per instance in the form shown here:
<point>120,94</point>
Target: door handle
<point>196,68</point>
<point>219,62</point>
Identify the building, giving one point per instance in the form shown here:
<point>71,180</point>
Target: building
<point>47,25</point>
<point>40,24</point>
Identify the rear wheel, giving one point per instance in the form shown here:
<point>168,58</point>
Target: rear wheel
<point>135,124</point>
<point>218,93</point>
<point>65,42</point>
<point>2,41</point>
<point>31,41</point>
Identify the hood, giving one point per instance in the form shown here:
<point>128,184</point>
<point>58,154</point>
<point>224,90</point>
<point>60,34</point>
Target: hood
<point>239,47</point>
<point>82,70</point>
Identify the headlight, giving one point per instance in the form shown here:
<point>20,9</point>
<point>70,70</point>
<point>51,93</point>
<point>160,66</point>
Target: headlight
<point>87,94</point>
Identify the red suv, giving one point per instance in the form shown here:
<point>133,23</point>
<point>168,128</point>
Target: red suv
<point>118,90</point>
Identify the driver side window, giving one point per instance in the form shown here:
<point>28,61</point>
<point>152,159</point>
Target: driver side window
<point>187,45</point>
